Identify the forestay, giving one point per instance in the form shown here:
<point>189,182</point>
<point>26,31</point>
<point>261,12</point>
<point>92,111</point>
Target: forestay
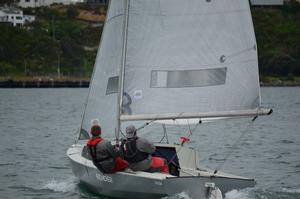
<point>190,58</point>
<point>102,99</point>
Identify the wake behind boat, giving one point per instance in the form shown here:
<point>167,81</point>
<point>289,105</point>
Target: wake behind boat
<point>170,61</point>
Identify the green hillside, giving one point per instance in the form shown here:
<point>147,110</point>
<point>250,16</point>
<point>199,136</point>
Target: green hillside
<point>278,39</point>
<point>64,40</point>
<point>56,41</point>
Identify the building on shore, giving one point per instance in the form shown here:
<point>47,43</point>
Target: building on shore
<point>39,3</point>
<point>14,16</point>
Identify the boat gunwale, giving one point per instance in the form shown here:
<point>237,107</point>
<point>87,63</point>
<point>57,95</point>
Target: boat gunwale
<point>156,175</point>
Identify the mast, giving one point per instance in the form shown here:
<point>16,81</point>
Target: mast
<point>122,69</point>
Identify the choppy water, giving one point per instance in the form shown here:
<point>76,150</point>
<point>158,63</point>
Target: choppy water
<point>38,125</point>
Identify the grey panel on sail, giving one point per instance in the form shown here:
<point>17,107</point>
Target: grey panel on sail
<point>112,85</point>
<point>188,78</point>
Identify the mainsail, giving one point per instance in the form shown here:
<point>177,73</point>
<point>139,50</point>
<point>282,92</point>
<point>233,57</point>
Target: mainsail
<point>187,59</point>
<point>177,59</point>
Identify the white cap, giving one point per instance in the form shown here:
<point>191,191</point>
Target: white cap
<point>95,122</point>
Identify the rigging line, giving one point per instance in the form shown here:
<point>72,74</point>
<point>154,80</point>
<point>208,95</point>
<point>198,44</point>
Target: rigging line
<point>115,16</point>
<point>165,134</point>
<point>190,131</point>
<point>163,137</point>
<point>165,129</point>
<point>178,126</point>
<point>122,133</point>
<point>181,146</point>
<point>235,144</point>
<point>241,51</point>
<point>146,124</point>
<point>141,127</point>
<point>179,149</point>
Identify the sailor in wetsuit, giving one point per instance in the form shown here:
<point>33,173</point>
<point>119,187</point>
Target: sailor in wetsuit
<point>137,151</point>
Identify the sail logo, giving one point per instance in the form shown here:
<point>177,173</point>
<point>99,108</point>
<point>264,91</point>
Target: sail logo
<point>104,178</point>
<point>138,94</point>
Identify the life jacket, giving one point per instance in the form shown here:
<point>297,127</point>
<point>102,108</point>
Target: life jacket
<point>131,152</point>
<point>94,141</point>
<point>92,144</point>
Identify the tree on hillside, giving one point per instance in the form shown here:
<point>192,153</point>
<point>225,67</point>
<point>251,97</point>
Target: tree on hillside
<point>6,2</point>
<point>72,57</point>
<point>72,12</point>
<point>278,38</point>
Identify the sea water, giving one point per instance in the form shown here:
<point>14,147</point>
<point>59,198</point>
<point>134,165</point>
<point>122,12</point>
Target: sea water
<point>38,125</point>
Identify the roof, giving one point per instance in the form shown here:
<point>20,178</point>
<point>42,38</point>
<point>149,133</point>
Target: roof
<point>10,10</point>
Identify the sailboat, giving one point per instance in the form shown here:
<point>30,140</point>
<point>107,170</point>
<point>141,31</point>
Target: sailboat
<point>170,61</point>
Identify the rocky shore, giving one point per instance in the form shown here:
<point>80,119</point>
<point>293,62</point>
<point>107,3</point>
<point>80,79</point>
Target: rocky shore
<point>44,84</point>
<point>280,84</point>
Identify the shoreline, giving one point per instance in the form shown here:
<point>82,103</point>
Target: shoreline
<point>85,83</point>
<point>281,84</point>
<point>44,83</point>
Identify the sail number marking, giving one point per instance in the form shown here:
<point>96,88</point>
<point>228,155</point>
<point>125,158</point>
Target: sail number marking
<point>104,178</point>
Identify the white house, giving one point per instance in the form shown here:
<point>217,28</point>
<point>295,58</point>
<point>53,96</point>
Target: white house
<point>38,3</point>
<point>29,18</point>
<point>3,16</point>
<point>14,16</point>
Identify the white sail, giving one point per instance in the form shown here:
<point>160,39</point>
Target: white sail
<point>190,57</point>
<point>102,99</point>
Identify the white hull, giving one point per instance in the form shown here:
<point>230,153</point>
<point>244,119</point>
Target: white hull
<point>150,185</point>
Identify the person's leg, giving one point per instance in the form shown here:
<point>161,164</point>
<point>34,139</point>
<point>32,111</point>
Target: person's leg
<point>160,163</point>
<point>120,165</point>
